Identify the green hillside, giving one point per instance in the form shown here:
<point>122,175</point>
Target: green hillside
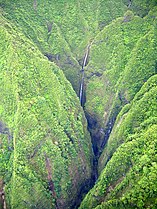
<point>63,29</point>
<point>129,178</point>
<point>122,58</point>
<point>120,74</point>
<point>45,147</point>
<point>55,153</point>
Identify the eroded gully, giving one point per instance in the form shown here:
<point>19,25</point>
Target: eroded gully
<point>92,124</point>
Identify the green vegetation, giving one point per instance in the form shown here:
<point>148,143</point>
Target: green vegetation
<point>129,178</point>
<point>122,58</point>
<point>63,29</point>
<point>125,76</point>
<point>45,148</point>
<point>47,141</point>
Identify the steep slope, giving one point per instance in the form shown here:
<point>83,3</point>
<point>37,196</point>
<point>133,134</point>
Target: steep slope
<point>127,165</point>
<point>63,29</point>
<point>122,58</point>
<point>46,151</point>
<point>141,7</point>
<point>129,178</point>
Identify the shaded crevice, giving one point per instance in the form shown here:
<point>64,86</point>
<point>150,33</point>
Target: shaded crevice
<point>108,130</point>
<point>84,189</point>
<point>2,196</point>
<point>99,135</point>
<point>51,187</point>
<point>6,131</point>
<point>156,67</point>
<point>52,57</point>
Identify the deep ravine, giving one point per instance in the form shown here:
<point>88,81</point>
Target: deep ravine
<point>92,123</point>
<point>82,97</point>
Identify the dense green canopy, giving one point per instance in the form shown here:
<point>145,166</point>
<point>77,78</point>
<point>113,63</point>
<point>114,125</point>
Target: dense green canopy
<point>46,155</point>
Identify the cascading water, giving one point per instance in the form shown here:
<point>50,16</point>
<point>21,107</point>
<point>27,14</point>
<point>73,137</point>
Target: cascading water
<point>81,92</point>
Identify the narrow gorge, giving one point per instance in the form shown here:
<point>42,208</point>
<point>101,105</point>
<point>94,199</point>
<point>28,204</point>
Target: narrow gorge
<point>78,108</point>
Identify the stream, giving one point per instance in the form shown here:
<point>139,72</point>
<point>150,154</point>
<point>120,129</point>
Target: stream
<point>82,96</point>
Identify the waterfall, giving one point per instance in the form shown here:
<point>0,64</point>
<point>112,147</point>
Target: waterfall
<point>81,92</point>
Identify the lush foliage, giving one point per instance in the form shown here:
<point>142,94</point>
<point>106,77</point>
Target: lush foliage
<point>46,155</point>
<point>63,29</point>
<point>122,58</point>
<point>45,138</point>
<point>129,178</point>
<point>128,163</point>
